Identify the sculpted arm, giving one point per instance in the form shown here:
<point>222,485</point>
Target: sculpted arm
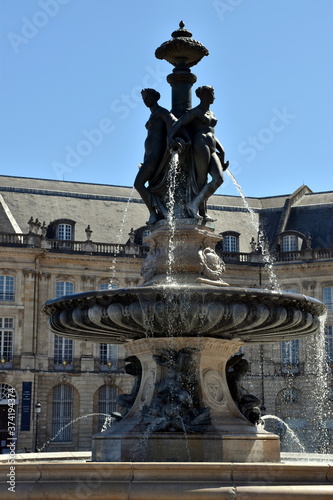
<point>183,120</point>
<point>221,154</point>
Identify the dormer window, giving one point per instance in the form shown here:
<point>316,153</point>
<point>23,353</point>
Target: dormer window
<point>289,243</point>
<point>61,229</point>
<point>292,241</point>
<point>230,241</point>
<point>65,232</point>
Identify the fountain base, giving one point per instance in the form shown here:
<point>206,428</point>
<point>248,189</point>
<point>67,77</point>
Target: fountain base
<point>184,410</point>
<point>59,478</point>
<point>175,447</point>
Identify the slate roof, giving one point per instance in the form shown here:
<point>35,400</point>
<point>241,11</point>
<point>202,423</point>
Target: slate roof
<point>112,211</point>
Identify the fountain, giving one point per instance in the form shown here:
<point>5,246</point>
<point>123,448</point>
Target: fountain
<point>182,330</point>
<point>184,326</point>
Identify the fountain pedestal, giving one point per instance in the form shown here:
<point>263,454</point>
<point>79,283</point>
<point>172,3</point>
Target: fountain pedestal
<point>225,436</point>
<point>183,252</point>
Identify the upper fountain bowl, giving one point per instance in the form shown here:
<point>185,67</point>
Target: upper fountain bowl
<point>246,314</point>
<point>182,50</point>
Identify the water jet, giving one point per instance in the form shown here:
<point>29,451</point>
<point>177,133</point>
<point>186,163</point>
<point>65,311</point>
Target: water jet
<point>184,326</point>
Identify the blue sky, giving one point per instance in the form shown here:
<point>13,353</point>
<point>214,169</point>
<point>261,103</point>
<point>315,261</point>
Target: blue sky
<point>72,71</point>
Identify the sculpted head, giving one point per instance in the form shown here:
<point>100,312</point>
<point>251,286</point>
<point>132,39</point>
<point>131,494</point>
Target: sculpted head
<point>150,96</point>
<point>205,92</point>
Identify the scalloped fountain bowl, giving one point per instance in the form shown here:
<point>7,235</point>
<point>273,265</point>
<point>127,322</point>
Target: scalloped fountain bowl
<point>245,314</point>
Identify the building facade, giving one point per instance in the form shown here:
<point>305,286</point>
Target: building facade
<point>61,237</point>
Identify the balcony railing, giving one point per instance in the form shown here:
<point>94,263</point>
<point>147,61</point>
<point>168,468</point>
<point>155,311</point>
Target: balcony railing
<point>235,257</point>
<point>13,240</point>
<point>90,247</point>
<point>32,240</point>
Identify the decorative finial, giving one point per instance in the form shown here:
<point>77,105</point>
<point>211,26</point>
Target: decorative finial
<point>181,31</point>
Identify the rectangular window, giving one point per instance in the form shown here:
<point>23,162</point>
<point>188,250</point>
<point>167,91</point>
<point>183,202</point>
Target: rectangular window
<point>109,353</point>
<point>6,338</point>
<point>328,297</point>
<point>63,350</point>
<point>290,352</point>
<point>64,288</point>
<point>7,291</point>
<point>329,343</point>
<point>108,286</point>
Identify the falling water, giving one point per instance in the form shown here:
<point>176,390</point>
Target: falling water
<point>119,238</point>
<point>172,183</point>
<point>148,315</point>
<point>289,432</point>
<point>267,258</point>
<point>109,420</point>
<point>186,441</point>
<point>317,408</point>
<point>319,413</point>
<point>139,453</point>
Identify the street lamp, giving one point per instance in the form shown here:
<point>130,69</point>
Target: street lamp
<point>38,408</point>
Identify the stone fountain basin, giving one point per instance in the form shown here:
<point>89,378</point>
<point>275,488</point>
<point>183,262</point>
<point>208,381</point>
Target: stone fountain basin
<point>245,314</point>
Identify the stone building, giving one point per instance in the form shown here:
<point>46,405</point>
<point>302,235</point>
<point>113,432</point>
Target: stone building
<point>61,237</point>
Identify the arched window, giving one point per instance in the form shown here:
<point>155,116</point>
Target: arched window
<point>61,229</point>
<point>62,413</point>
<point>328,297</point>
<point>8,425</point>
<point>107,404</point>
<point>7,290</point>
<point>290,395</point>
<point>63,232</point>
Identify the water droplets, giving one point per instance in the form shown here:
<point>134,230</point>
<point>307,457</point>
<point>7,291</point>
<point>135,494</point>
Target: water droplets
<point>172,183</point>
<point>119,237</point>
<point>108,422</point>
<point>262,243</point>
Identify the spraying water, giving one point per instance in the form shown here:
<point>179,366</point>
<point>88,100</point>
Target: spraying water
<point>119,237</point>
<point>108,422</point>
<point>289,432</point>
<point>267,258</point>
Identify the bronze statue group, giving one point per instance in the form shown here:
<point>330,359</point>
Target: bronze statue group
<point>200,155</point>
